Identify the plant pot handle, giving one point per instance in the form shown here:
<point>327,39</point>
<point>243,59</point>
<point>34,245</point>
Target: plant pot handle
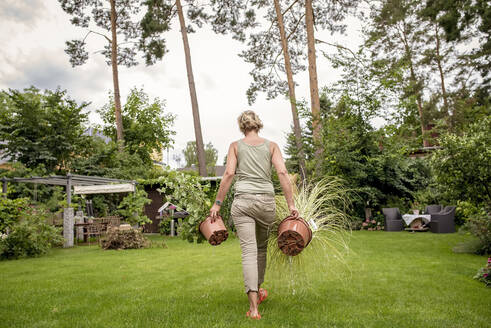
<point>218,217</point>
<point>294,215</point>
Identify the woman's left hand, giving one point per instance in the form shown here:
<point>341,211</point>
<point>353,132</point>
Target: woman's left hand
<point>214,212</point>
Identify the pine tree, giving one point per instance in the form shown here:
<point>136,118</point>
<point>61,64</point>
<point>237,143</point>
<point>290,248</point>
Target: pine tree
<point>99,17</point>
<point>157,20</point>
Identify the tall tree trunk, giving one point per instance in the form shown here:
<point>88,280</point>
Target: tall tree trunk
<point>114,65</point>
<point>420,105</point>
<point>414,81</point>
<point>314,88</point>
<point>442,78</point>
<point>291,90</point>
<point>200,149</point>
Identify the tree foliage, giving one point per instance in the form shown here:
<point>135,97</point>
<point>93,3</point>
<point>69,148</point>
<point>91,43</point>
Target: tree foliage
<point>188,193</point>
<point>131,207</point>
<point>264,49</point>
<point>462,18</point>
<point>158,19</point>
<point>462,167</point>
<point>373,168</point>
<point>95,17</point>
<point>42,128</point>
<point>147,127</point>
<point>191,159</point>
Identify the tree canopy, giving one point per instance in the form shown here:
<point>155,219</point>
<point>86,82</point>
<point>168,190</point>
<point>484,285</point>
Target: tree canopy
<point>42,128</point>
<point>147,127</point>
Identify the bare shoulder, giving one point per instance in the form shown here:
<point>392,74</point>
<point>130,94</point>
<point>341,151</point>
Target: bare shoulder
<point>273,146</point>
<point>233,146</point>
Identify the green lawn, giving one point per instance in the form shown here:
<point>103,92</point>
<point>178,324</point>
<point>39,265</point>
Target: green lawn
<point>397,279</point>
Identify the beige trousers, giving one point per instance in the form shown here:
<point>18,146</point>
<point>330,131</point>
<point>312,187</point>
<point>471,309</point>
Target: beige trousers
<point>253,215</point>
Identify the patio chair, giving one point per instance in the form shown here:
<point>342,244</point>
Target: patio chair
<point>433,209</point>
<point>393,219</point>
<point>114,221</point>
<point>94,229</point>
<point>443,221</point>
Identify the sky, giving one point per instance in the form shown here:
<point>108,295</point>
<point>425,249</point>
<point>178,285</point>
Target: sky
<point>33,35</point>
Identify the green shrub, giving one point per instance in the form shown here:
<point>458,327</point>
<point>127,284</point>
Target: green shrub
<point>403,204</point>
<point>188,193</point>
<point>466,210</point>
<point>131,208</point>
<point>461,166</point>
<point>10,211</point>
<point>484,274</point>
<point>480,226</point>
<point>164,226</point>
<point>376,222</point>
<point>30,236</point>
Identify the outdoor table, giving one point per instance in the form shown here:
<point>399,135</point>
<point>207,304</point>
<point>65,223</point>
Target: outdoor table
<point>408,218</point>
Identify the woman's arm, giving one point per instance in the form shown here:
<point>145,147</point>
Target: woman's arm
<point>228,176</point>
<point>285,182</point>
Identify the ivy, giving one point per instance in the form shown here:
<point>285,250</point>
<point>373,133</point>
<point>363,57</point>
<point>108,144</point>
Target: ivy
<point>188,193</point>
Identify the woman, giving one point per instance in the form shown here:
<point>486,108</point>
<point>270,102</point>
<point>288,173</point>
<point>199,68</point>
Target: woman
<point>253,209</point>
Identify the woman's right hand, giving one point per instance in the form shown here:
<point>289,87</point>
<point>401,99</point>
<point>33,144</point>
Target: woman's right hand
<point>293,211</point>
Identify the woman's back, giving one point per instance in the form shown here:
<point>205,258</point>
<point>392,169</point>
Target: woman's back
<point>253,168</point>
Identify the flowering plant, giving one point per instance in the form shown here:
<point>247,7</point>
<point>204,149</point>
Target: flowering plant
<point>374,223</point>
<point>484,274</point>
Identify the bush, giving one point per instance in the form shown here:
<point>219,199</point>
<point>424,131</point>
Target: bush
<point>30,237</point>
<point>131,208</point>
<point>188,193</point>
<point>164,226</point>
<point>484,274</point>
<point>480,226</point>
<point>461,166</point>
<point>124,239</point>
<point>374,223</point>
<point>10,212</point>
<point>466,210</point>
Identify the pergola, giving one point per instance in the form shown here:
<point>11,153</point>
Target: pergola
<point>82,184</point>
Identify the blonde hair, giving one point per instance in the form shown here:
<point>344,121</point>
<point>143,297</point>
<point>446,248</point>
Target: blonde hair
<point>248,121</point>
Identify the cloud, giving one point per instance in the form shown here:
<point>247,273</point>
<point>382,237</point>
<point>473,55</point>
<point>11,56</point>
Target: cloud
<point>49,70</point>
<point>25,12</point>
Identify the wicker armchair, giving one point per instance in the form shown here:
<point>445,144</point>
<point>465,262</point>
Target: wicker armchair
<point>443,221</point>
<point>433,209</point>
<point>393,219</point>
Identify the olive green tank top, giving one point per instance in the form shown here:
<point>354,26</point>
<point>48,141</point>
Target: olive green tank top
<point>253,169</point>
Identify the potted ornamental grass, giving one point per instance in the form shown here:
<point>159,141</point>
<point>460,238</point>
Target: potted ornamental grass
<point>322,211</point>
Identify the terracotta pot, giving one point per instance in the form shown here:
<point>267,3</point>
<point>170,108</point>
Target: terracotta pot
<point>216,232</point>
<point>294,235</point>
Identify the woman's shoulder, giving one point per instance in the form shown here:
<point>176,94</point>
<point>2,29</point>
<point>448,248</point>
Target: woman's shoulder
<point>234,145</point>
